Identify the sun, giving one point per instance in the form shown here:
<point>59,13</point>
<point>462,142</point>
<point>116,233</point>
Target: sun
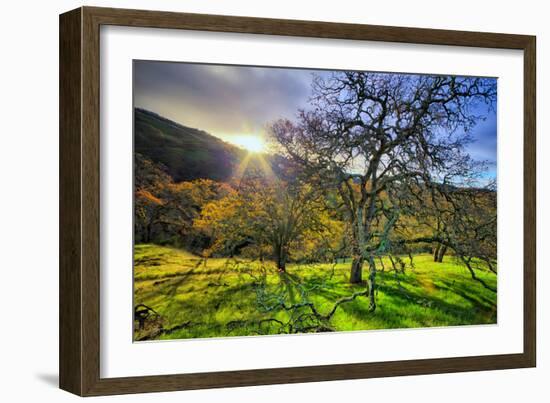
<point>253,144</point>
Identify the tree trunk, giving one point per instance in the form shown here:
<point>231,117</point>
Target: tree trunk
<point>356,276</point>
<point>392,263</point>
<point>441,253</point>
<point>281,258</point>
<point>148,232</point>
<point>382,263</point>
<point>436,252</point>
<point>372,285</point>
<point>281,265</point>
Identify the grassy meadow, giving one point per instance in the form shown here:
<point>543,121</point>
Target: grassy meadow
<point>344,201</point>
<point>194,298</point>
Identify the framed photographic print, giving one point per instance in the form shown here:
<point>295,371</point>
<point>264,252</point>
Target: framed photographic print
<point>251,201</point>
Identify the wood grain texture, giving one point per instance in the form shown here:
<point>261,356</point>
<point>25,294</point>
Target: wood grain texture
<point>530,202</point>
<point>315,29</point>
<point>90,203</point>
<point>80,200</point>
<point>70,271</point>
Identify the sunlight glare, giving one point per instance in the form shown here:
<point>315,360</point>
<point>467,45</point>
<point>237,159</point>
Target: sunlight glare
<point>251,143</point>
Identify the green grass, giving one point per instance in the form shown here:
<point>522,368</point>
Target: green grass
<point>219,298</point>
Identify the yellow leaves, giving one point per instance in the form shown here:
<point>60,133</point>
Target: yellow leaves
<point>148,198</point>
<point>261,216</point>
<point>198,192</point>
<point>218,212</point>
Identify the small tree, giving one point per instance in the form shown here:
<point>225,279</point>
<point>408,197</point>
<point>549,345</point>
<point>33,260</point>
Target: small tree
<point>264,213</point>
<point>470,228</point>
<point>462,220</point>
<point>151,181</point>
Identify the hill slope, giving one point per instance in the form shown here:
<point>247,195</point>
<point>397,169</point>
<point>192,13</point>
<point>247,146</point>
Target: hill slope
<point>187,153</point>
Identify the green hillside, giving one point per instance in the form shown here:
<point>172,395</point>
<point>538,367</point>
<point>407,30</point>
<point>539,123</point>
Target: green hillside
<point>187,153</point>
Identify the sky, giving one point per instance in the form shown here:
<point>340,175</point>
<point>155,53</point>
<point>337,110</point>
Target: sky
<point>236,102</point>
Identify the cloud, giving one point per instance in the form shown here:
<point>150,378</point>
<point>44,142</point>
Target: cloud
<point>223,100</point>
<point>484,134</point>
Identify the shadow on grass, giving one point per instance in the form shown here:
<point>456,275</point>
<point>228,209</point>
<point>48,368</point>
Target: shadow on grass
<point>438,310</point>
<point>476,298</point>
<point>223,300</point>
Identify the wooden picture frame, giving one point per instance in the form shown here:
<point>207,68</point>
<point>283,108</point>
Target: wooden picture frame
<point>79,346</point>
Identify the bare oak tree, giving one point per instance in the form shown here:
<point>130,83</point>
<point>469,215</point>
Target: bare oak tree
<point>368,134</point>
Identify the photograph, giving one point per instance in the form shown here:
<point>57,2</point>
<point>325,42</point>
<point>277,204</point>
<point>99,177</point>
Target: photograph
<point>272,200</point>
